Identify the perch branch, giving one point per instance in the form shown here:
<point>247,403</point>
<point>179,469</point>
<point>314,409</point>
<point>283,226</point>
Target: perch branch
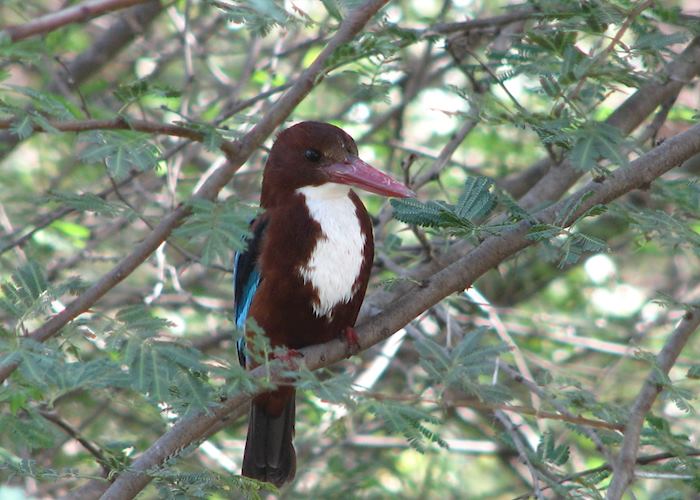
<point>455,277</point>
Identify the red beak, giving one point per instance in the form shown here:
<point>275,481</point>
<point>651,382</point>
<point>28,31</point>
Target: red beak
<point>356,172</point>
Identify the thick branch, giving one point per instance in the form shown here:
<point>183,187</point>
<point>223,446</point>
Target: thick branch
<point>455,277</point>
<point>237,155</point>
<point>131,23</point>
<point>75,14</point>
<point>626,117</point>
<point>623,467</point>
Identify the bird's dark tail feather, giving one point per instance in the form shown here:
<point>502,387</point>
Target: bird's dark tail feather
<point>269,453</point>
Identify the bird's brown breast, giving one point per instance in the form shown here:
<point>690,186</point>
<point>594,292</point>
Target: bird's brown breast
<point>288,301</point>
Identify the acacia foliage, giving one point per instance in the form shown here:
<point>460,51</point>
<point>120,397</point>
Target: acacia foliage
<point>524,387</point>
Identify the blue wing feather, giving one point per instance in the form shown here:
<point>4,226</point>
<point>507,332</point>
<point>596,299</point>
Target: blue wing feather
<point>249,286</point>
<point>246,278</point>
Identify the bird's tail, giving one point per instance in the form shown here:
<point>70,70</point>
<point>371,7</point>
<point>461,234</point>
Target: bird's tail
<point>269,453</point>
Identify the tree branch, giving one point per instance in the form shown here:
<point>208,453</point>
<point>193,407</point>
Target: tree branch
<point>487,22</point>
<point>459,402</point>
<point>121,123</point>
<point>623,467</point>
<point>75,14</point>
<point>455,277</point>
<point>55,418</point>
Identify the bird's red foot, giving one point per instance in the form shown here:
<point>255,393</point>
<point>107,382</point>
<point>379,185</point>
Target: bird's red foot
<point>289,356</point>
<point>352,340</point>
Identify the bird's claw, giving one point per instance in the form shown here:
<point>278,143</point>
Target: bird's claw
<point>289,356</point>
<point>352,340</point>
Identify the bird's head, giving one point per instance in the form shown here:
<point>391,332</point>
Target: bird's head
<point>314,154</point>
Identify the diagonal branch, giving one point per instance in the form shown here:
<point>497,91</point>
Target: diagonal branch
<point>53,417</point>
<point>455,277</point>
<point>74,14</point>
<point>237,155</point>
<point>623,466</point>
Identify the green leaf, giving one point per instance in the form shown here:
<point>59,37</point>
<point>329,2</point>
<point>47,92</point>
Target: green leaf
<point>547,451</point>
<point>584,154</point>
<point>193,389</point>
<point>657,41</point>
<point>541,232</point>
<point>28,430</point>
<point>327,386</point>
<point>24,291</point>
<point>410,422</point>
<point>121,151</point>
<point>138,320</point>
<point>207,484</point>
<point>167,372</point>
<point>476,200</point>
<point>595,141</point>
<point>23,127</point>
<point>212,137</point>
<point>37,363</point>
<point>87,202</point>
<point>412,211</point>
<point>515,211</point>
<point>259,16</point>
<point>149,374</point>
<point>53,105</point>
<point>94,374</point>
<point>462,365</point>
<point>221,227</point>
<point>578,244</point>
<point>133,91</point>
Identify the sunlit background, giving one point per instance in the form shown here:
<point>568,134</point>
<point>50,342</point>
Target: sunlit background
<point>583,322</point>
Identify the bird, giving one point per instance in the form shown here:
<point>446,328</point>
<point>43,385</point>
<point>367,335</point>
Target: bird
<point>304,273</point>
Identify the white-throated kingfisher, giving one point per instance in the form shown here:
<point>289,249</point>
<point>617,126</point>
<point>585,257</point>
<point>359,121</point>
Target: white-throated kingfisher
<point>304,274</point>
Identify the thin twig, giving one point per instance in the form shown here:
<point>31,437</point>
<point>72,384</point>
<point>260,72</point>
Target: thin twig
<point>474,403</point>
<point>532,386</point>
<point>522,451</point>
<point>121,123</point>
<point>56,419</point>
<point>486,22</point>
<point>505,337</point>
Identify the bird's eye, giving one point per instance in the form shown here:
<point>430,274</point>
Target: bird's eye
<point>312,155</point>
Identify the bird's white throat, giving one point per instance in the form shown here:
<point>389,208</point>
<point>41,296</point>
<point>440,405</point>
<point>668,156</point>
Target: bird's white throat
<point>335,261</point>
